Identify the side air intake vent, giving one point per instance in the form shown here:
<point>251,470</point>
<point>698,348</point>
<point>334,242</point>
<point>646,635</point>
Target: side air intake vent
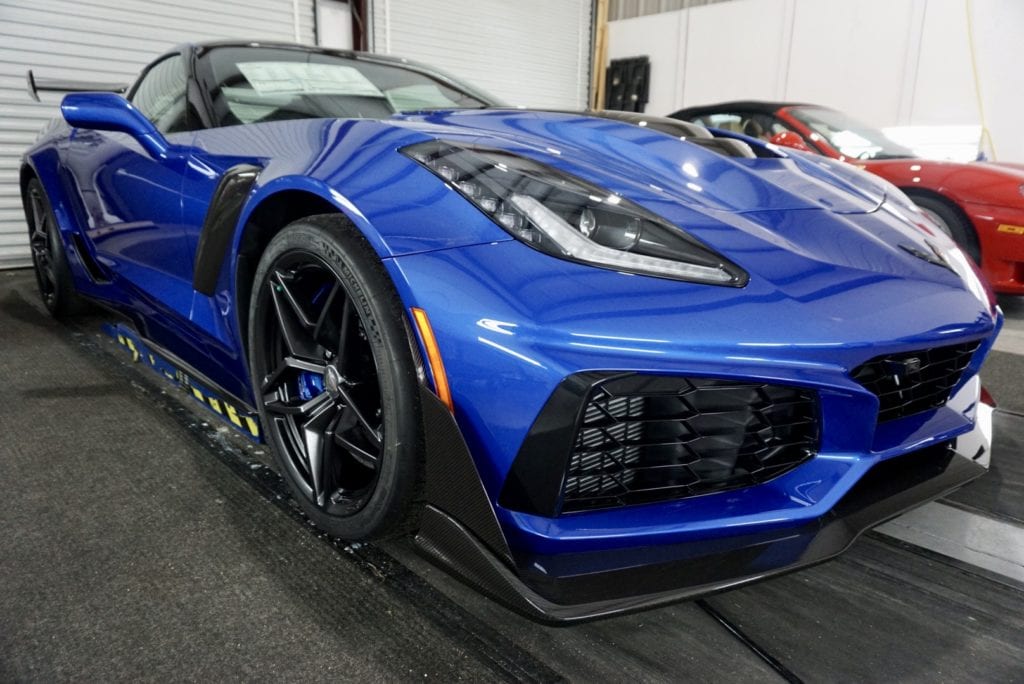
<point>644,439</point>
<point>913,382</point>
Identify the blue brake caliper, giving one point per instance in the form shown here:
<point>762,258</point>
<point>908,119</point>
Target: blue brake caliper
<point>310,385</point>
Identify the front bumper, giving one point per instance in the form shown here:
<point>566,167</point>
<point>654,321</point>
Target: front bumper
<point>509,339</point>
<point>1000,231</point>
<point>579,586</point>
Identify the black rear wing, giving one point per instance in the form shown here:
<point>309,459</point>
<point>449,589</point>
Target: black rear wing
<point>58,85</point>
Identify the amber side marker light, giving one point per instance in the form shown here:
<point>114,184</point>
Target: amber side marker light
<point>441,388</point>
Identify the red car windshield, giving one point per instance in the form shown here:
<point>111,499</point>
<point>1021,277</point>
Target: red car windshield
<point>848,136</point>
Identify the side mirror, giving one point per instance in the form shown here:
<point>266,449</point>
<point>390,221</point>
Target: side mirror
<point>111,112</point>
<point>791,140</point>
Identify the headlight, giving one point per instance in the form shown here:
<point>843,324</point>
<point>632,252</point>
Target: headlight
<point>569,218</point>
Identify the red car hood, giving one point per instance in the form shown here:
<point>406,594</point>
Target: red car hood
<point>1010,166</point>
<point>994,183</point>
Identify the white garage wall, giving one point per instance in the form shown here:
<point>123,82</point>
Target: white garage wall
<point>944,92</point>
<point>109,41</point>
<point>525,52</point>
<point>852,54</point>
<point>753,73</point>
<point>888,62</point>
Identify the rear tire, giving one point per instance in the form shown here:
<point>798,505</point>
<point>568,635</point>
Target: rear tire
<point>952,223</point>
<point>53,274</point>
<point>334,380</point>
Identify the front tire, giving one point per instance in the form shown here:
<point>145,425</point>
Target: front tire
<point>49,260</point>
<point>334,379</point>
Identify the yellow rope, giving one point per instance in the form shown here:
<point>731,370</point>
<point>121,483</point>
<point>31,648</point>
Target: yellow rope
<point>985,132</point>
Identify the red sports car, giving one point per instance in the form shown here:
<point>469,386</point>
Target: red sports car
<point>980,204</point>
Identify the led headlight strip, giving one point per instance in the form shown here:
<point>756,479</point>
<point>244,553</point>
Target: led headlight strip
<point>569,218</point>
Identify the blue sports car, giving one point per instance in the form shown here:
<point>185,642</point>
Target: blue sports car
<point>595,361</point>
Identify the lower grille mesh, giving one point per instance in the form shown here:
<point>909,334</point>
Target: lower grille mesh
<point>660,438</point>
<point>913,382</point>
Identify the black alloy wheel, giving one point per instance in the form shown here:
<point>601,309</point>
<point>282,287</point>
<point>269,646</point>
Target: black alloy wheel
<point>53,276</point>
<point>334,379</point>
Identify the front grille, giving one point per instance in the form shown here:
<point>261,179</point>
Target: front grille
<point>644,439</point>
<point>913,382</point>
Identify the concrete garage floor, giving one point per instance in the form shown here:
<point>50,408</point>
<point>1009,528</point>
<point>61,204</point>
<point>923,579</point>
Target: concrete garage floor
<point>142,540</point>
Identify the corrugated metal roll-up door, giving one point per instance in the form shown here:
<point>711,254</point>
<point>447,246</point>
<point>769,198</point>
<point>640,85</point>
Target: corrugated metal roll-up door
<point>105,41</point>
<point>527,52</point>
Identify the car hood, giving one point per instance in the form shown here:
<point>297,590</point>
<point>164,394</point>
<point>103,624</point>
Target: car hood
<point>760,212</point>
<point>615,153</point>
<point>1015,169</point>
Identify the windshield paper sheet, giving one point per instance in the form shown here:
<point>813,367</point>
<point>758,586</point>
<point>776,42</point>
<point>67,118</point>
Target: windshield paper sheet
<point>301,78</point>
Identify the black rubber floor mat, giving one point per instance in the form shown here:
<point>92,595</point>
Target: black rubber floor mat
<point>880,613</point>
<point>129,552</point>
<point>1003,376</point>
<point>1000,491</point>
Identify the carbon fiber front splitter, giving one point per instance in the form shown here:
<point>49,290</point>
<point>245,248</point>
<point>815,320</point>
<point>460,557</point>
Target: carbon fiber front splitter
<point>569,589</point>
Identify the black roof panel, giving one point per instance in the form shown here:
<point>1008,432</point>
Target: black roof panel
<point>738,106</point>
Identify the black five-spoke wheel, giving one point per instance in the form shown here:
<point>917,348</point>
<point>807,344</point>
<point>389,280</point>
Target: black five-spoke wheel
<point>322,396</point>
<point>334,378</point>
<point>39,241</point>
<point>53,275</point>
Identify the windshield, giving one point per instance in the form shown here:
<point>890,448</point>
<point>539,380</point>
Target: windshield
<point>848,136</point>
<point>258,84</point>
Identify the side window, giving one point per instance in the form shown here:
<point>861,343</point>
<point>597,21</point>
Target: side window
<point>161,96</point>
